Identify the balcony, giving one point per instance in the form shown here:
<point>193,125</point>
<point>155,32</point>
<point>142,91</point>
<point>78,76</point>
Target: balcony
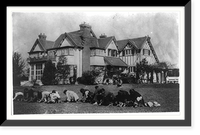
<point>40,59</point>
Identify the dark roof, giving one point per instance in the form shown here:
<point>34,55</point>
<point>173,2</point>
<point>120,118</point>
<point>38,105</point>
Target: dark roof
<point>58,40</point>
<point>44,44</point>
<point>103,42</point>
<point>136,42</point>
<point>122,44</point>
<point>139,41</point>
<point>115,62</point>
<point>81,40</point>
<point>75,36</point>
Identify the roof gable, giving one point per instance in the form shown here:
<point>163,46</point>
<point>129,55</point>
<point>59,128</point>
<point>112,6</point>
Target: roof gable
<point>69,39</point>
<point>123,44</point>
<point>104,42</point>
<point>112,45</point>
<point>139,42</point>
<point>37,43</point>
<point>66,42</point>
<point>75,37</point>
<point>37,48</point>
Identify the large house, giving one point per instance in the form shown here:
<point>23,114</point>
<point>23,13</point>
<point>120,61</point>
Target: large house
<point>85,51</point>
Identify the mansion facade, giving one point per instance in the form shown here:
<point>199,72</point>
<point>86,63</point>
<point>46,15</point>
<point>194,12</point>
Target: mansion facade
<point>85,51</point>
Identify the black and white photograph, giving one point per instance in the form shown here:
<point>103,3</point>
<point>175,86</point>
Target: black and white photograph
<point>95,62</point>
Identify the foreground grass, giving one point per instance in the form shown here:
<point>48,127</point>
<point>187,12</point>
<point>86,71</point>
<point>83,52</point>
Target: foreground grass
<point>165,94</point>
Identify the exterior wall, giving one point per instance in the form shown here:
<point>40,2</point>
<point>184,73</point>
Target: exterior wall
<point>75,59</point>
<point>86,58</point>
<point>150,58</point>
<point>112,46</point>
<point>66,42</point>
<point>78,61</point>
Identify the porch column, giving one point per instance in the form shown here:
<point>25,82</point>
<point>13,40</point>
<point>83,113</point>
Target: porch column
<point>34,77</point>
<point>43,65</point>
<point>29,72</point>
<point>161,77</point>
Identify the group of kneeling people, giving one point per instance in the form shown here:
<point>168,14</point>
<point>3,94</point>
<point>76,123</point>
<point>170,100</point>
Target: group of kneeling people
<point>104,97</point>
<point>100,96</point>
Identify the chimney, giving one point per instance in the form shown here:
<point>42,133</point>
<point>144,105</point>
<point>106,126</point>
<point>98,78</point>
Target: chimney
<point>86,28</point>
<point>103,36</point>
<point>42,36</point>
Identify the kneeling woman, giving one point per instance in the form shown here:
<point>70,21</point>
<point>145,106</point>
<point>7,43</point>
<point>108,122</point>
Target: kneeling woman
<point>71,96</point>
<point>54,97</point>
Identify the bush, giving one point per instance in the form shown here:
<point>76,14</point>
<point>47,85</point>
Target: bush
<point>49,73</point>
<point>128,79</point>
<point>88,77</point>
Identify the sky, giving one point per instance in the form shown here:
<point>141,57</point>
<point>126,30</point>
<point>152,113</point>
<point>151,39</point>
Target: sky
<point>162,27</point>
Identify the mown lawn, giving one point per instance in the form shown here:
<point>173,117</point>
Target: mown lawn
<point>165,94</point>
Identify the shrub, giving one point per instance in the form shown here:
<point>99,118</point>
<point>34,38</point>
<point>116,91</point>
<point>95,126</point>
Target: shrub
<point>88,77</point>
<point>49,73</point>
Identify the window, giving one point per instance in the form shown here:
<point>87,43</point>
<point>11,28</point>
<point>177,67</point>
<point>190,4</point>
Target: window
<point>109,52</point>
<point>58,52</point>
<point>38,71</point>
<point>63,52</point>
<point>146,52</point>
<point>131,69</point>
<point>123,53</point>
<point>71,70</point>
<point>66,52</point>
<point>132,51</point>
<point>71,51</point>
<point>32,72</point>
<point>112,53</point>
<point>92,52</point>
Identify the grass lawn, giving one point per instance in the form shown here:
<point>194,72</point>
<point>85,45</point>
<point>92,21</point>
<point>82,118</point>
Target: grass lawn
<point>165,94</point>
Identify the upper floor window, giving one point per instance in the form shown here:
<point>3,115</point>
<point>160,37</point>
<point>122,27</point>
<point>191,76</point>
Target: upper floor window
<point>146,52</point>
<point>112,52</point>
<point>128,52</point>
<point>98,52</point>
<point>66,51</point>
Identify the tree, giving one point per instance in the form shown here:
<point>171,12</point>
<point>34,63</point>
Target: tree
<point>18,66</point>
<point>144,68</point>
<point>48,73</point>
<point>63,70</point>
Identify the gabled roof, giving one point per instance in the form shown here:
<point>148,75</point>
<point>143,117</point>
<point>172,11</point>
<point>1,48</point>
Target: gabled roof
<point>104,42</point>
<point>58,40</point>
<point>75,36</point>
<point>43,44</point>
<point>92,42</point>
<point>46,43</point>
<point>114,61</point>
<point>139,42</point>
<point>136,42</point>
<point>122,44</point>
